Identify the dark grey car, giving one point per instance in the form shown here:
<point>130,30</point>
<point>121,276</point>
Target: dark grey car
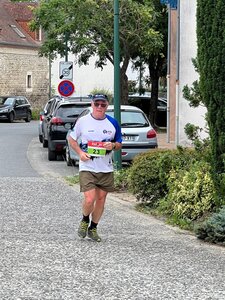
<point>15,108</point>
<point>63,118</point>
<point>48,111</point>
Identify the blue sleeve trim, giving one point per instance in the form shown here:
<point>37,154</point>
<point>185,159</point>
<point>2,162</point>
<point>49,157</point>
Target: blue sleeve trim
<point>118,135</point>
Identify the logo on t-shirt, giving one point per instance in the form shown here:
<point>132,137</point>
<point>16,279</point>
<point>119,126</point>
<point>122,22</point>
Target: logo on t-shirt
<point>107,131</point>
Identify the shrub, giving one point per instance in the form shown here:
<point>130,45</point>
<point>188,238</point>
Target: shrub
<point>213,229</point>
<point>120,179</point>
<point>191,192</point>
<point>143,177</point>
<point>36,114</point>
<point>147,177</point>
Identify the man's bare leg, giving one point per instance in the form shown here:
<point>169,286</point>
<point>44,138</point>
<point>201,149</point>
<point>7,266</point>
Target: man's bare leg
<point>88,202</point>
<point>99,205</point>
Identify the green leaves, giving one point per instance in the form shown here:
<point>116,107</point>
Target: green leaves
<point>211,59</point>
<point>213,229</point>
<point>89,25</point>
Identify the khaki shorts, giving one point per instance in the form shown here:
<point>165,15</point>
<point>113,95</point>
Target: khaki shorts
<point>91,180</point>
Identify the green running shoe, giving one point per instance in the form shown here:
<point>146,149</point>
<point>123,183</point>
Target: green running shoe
<point>92,234</point>
<point>82,230</point>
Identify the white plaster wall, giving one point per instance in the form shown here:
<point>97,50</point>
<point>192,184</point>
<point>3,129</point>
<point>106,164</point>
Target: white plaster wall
<point>86,78</point>
<point>187,74</point>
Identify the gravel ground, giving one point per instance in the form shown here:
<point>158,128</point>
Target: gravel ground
<point>42,258</point>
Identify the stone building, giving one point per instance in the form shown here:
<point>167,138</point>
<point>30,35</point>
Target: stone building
<point>23,71</point>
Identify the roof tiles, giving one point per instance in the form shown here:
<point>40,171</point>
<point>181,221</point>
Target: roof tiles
<point>17,14</point>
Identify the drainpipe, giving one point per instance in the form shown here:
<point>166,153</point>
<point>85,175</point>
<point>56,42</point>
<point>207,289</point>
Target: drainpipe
<point>50,77</point>
<point>168,76</point>
<point>177,73</point>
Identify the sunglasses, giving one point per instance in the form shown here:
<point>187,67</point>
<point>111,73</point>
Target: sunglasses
<point>100,104</point>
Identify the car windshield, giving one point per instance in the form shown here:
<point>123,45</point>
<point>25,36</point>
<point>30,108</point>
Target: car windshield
<point>69,111</point>
<point>6,101</point>
<point>131,119</point>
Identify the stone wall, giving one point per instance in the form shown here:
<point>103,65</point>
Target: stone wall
<point>23,72</point>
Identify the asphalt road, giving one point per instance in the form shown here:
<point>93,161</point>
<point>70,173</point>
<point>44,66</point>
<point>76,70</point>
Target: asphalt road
<point>41,257</point>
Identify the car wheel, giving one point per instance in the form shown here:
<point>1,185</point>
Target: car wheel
<point>45,143</point>
<point>40,138</point>
<point>28,118</point>
<point>11,117</point>
<point>69,161</point>
<point>51,155</point>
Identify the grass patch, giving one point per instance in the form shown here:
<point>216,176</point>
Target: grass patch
<point>71,180</point>
<point>36,114</point>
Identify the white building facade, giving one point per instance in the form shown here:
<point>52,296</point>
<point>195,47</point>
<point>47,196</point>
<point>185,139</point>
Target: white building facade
<point>186,72</point>
<point>182,41</point>
<point>87,78</point>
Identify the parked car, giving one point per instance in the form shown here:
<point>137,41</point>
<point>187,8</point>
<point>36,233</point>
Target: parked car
<point>137,132</point>
<point>44,119</point>
<point>15,108</point>
<point>143,102</point>
<point>47,113</point>
<point>62,119</point>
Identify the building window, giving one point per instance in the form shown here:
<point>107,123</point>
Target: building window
<point>29,82</point>
<point>20,34</point>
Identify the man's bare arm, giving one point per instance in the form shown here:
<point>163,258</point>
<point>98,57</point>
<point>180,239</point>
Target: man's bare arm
<point>83,155</point>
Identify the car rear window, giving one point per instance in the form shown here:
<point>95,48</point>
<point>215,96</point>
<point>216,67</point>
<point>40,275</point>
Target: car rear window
<point>131,119</point>
<point>70,111</point>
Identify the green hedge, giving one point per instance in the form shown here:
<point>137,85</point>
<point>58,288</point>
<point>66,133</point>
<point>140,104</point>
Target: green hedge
<point>147,178</point>
<point>191,192</point>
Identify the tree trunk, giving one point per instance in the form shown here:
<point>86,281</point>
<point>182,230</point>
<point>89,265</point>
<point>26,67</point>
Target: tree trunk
<point>124,81</point>
<point>154,75</point>
<point>155,66</point>
<point>123,88</point>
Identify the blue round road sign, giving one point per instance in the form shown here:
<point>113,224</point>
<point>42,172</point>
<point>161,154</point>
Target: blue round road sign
<point>66,88</point>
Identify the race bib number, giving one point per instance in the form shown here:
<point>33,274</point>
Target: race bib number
<point>96,148</point>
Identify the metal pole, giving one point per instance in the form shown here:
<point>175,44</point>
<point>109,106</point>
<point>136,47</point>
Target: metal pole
<point>168,75</point>
<point>117,154</point>
<point>50,77</point>
<point>66,44</point>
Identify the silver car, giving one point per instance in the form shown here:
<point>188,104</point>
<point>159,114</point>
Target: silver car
<point>137,132</point>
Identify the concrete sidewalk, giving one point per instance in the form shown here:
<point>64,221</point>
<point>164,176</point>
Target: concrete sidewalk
<point>162,141</point>
<point>139,258</point>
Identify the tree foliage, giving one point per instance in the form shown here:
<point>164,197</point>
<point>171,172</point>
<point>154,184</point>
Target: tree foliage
<point>156,61</point>
<point>87,25</point>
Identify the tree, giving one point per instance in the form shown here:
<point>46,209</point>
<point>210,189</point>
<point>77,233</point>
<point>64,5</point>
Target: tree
<point>156,61</point>
<point>211,58</point>
<point>87,25</point>
<point>211,61</point>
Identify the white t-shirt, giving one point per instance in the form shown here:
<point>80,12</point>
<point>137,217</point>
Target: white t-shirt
<point>88,128</point>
